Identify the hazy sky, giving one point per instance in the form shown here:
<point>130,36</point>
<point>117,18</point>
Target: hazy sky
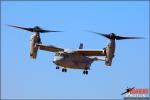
<point>25,78</point>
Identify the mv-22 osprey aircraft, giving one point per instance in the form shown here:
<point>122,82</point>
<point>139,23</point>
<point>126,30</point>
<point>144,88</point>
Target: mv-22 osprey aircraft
<point>73,58</point>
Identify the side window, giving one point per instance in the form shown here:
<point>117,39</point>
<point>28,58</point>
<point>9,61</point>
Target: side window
<point>57,54</point>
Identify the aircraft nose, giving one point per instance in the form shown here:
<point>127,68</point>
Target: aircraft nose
<point>57,58</point>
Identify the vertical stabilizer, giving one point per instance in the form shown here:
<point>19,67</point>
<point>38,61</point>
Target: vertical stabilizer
<point>81,46</point>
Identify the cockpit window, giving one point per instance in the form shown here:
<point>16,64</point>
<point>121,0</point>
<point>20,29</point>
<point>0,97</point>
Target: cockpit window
<point>59,54</point>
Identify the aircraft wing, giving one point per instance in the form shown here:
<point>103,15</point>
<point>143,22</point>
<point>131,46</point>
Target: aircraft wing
<point>50,48</point>
<point>90,52</point>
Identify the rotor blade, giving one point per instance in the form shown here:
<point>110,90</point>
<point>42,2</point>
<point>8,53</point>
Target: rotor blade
<point>104,35</point>
<point>122,37</point>
<point>45,31</point>
<point>24,28</point>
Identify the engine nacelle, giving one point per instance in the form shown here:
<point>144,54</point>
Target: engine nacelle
<point>108,62</point>
<point>33,51</point>
<point>34,40</point>
<point>33,47</point>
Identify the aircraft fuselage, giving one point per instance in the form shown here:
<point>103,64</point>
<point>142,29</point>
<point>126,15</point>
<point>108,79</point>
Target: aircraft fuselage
<point>73,61</point>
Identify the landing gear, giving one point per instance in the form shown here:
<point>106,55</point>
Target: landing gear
<point>57,67</point>
<point>64,70</point>
<point>85,72</point>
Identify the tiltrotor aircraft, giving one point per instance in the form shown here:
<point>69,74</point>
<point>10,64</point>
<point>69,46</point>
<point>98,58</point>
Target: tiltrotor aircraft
<point>73,58</point>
